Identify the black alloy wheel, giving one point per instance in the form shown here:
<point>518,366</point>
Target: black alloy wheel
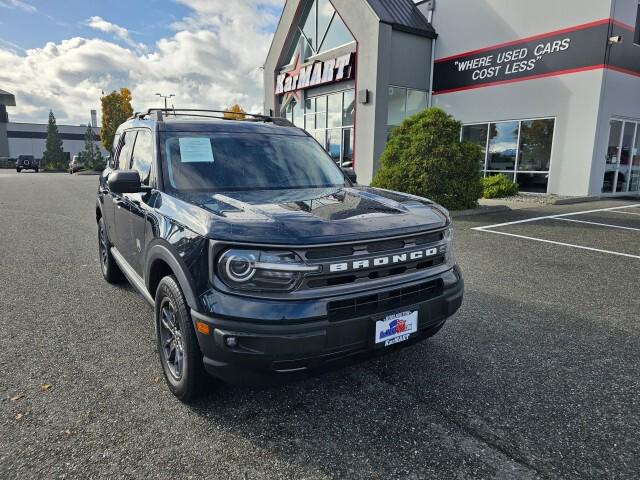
<point>178,348</point>
<point>171,339</point>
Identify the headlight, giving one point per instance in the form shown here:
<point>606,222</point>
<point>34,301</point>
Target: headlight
<point>448,237</point>
<point>262,270</point>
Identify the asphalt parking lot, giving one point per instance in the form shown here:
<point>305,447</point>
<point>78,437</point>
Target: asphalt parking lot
<point>536,377</point>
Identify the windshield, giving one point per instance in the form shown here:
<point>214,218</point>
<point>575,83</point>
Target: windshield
<point>245,161</point>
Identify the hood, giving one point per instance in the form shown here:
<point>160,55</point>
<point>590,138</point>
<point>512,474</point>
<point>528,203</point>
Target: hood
<point>304,216</point>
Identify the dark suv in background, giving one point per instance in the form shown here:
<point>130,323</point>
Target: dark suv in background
<point>27,162</point>
<point>263,260</point>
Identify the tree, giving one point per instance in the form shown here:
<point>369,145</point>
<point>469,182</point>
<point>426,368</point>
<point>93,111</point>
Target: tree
<point>235,112</point>
<point>91,156</point>
<point>425,157</point>
<point>53,155</point>
<point>116,109</point>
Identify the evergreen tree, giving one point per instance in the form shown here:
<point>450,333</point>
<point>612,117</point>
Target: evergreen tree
<point>91,155</point>
<point>53,155</point>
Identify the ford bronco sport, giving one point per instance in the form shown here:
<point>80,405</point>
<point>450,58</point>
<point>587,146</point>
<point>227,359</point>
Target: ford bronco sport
<point>262,259</point>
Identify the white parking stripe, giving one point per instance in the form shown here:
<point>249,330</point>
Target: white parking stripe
<point>620,254</point>
<point>535,219</point>
<point>596,223</point>
<point>626,213</point>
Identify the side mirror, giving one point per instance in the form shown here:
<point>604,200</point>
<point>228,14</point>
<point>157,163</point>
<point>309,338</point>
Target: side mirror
<point>350,173</point>
<point>125,181</point>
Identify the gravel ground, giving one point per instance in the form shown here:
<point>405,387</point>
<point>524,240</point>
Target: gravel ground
<point>540,199</point>
<point>536,377</point>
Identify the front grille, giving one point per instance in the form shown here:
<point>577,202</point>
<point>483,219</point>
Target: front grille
<point>351,253</point>
<point>381,302</point>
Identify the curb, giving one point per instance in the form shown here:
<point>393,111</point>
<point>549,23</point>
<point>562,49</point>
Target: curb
<point>571,201</point>
<point>480,211</point>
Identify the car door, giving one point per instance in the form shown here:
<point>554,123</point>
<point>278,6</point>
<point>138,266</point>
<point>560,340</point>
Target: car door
<point>120,238</point>
<point>138,203</point>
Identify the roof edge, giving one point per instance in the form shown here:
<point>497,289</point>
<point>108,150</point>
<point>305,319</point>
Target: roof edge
<point>432,34</point>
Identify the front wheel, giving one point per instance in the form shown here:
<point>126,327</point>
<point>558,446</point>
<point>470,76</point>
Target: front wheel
<point>37,170</point>
<point>18,170</point>
<point>180,355</point>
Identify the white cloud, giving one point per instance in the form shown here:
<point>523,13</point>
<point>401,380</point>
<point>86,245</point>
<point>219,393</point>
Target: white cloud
<point>211,61</point>
<point>98,23</point>
<point>27,7</point>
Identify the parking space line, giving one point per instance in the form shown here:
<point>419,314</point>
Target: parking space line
<point>581,247</point>
<point>535,219</point>
<point>626,213</point>
<point>596,223</point>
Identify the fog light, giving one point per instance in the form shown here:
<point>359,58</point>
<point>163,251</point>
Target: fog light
<point>231,342</point>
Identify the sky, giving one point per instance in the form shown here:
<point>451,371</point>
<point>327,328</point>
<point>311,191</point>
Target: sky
<point>62,54</point>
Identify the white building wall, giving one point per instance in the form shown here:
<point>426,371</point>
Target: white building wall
<point>573,99</point>
<point>620,95</point>
<point>37,146</point>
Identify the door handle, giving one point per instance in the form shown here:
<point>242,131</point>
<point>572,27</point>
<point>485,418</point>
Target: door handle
<point>119,203</point>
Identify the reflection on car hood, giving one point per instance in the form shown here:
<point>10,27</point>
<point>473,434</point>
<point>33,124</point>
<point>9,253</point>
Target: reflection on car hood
<point>303,216</point>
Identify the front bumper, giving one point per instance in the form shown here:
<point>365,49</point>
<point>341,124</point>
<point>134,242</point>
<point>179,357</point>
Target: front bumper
<point>273,352</point>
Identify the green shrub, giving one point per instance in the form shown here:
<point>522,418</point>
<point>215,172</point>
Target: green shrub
<point>498,186</point>
<point>424,156</point>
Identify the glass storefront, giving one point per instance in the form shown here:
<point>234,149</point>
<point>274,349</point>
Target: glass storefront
<point>622,161</point>
<point>404,102</point>
<point>329,118</point>
<point>321,29</point>
<point>519,149</point>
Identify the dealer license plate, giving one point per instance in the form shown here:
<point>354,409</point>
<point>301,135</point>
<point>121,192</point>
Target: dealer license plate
<point>396,328</point>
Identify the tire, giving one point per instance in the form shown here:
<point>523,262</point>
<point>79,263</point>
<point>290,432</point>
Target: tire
<point>178,348</point>
<point>110,269</point>
<point>36,170</point>
<point>18,170</point>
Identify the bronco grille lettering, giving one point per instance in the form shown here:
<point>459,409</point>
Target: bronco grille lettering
<point>380,261</point>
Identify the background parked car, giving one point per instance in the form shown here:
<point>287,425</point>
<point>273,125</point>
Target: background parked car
<point>75,164</point>
<point>27,162</point>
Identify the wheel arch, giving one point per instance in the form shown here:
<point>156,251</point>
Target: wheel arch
<point>162,261</point>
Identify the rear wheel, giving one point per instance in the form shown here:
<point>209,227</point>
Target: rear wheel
<point>110,270</point>
<point>18,170</point>
<point>36,170</point>
<point>178,348</point>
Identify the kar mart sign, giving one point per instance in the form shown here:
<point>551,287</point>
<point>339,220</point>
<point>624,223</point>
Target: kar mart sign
<point>317,73</point>
<point>573,49</point>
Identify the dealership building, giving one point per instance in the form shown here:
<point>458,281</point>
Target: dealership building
<point>31,138</point>
<point>549,90</point>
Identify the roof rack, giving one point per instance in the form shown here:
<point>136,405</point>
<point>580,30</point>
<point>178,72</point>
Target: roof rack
<point>204,113</point>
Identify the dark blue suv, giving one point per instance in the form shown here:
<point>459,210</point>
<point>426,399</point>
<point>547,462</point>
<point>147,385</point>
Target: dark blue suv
<point>264,261</point>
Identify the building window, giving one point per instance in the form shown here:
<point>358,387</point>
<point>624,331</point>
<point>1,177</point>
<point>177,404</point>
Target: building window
<point>622,161</point>
<point>520,149</point>
<point>320,29</point>
<point>329,118</point>
<point>404,102</point>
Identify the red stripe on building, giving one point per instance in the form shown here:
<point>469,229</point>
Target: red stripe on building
<point>583,26</point>
<point>528,77</point>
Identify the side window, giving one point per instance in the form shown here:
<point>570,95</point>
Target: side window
<point>124,155</point>
<point>143,156</point>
